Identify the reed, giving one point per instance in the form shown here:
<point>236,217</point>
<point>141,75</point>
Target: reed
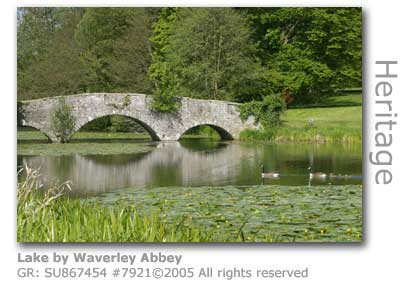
<point>49,215</point>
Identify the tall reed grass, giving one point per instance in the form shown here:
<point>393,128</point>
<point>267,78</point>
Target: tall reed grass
<point>49,215</point>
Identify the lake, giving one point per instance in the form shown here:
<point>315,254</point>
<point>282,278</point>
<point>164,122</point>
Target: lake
<point>201,162</point>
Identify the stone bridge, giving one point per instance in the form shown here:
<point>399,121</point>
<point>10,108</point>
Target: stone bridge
<point>222,116</point>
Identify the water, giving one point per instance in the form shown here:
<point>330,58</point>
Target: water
<point>201,162</point>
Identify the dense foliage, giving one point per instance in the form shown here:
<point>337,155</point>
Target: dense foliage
<point>74,50</point>
<point>266,111</point>
<point>237,54</point>
<point>309,52</point>
<point>204,53</point>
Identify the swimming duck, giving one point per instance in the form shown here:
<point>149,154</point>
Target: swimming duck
<point>316,175</point>
<point>268,174</point>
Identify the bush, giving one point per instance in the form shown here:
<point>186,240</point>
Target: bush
<point>267,111</point>
<point>62,121</point>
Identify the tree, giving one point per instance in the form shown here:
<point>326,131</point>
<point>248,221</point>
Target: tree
<point>203,53</point>
<point>164,99</point>
<point>310,52</point>
<point>115,49</point>
<point>34,33</point>
<point>239,54</point>
<point>64,51</point>
<point>58,71</point>
<point>62,121</point>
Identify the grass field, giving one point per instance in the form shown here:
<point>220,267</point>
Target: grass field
<point>33,142</point>
<point>337,120</point>
<point>24,134</point>
<point>343,100</point>
<point>87,143</point>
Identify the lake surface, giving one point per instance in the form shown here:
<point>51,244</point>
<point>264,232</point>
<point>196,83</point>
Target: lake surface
<point>201,162</point>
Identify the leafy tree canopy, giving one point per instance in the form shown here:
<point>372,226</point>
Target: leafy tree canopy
<point>240,54</point>
<point>309,51</point>
<point>204,53</point>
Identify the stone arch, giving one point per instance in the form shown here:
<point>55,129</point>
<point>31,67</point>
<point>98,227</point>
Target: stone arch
<point>224,134</point>
<point>148,128</point>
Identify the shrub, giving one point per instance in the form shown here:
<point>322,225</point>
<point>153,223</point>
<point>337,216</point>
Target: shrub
<point>267,111</point>
<point>62,121</point>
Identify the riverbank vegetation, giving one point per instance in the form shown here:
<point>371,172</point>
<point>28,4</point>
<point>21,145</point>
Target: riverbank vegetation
<point>32,142</point>
<point>227,214</point>
<point>29,134</point>
<point>83,148</point>
<point>338,120</point>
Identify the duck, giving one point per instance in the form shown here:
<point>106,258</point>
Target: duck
<point>269,174</point>
<point>316,175</point>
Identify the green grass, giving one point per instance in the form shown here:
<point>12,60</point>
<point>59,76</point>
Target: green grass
<point>31,142</point>
<point>50,216</point>
<point>74,220</point>
<point>201,131</point>
<point>342,100</point>
<point>329,124</point>
<point>34,135</point>
<point>226,214</point>
<point>92,148</point>
<point>26,135</point>
<point>84,143</point>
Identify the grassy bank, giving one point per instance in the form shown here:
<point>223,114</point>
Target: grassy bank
<point>31,142</point>
<point>337,120</point>
<point>32,135</point>
<point>182,214</point>
<point>86,143</point>
<point>91,148</point>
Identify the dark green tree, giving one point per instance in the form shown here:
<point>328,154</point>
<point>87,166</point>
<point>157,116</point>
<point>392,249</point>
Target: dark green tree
<point>115,48</point>
<point>34,34</point>
<point>309,52</point>
<point>58,71</point>
<point>203,53</point>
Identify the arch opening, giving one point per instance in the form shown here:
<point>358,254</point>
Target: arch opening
<point>208,131</point>
<point>117,123</point>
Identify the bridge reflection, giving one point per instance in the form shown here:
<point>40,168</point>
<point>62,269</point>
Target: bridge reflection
<point>169,164</point>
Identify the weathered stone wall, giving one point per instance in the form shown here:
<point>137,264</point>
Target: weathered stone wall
<point>222,116</point>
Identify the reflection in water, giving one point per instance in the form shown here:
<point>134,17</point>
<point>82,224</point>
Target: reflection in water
<point>201,162</point>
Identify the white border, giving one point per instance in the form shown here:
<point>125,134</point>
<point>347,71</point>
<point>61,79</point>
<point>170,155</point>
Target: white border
<point>381,261</point>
